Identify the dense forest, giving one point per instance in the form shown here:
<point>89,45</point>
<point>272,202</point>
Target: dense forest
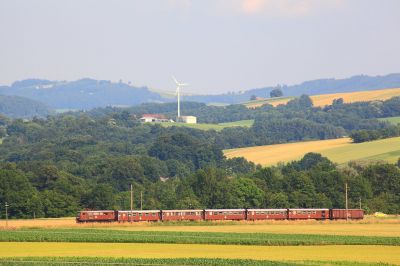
<point>56,166</point>
<point>296,121</point>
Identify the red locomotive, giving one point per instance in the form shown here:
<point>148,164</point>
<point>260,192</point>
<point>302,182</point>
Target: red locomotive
<point>96,216</point>
<point>218,214</point>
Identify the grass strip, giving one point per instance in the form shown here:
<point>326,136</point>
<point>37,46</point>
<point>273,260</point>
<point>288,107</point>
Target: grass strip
<point>181,262</point>
<point>116,236</point>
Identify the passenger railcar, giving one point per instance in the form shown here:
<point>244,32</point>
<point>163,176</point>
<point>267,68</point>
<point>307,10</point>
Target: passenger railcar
<point>267,214</point>
<point>137,216</point>
<point>218,214</point>
<point>180,215</point>
<point>225,214</point>
<point>96,216</point>
<point>336,214</point>
<point>301,214</point>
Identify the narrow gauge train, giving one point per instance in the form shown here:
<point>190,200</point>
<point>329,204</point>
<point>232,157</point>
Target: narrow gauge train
<point>218,215</point>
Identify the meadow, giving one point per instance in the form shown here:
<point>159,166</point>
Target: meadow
<point>216,127</point>
<point>326,99</point>
<point>176,237</point>
<point>337,150</point>
<point>393,120</point>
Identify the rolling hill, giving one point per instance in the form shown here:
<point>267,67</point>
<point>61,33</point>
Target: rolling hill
<point>326,99</point>
<point>313,87</point>
<point>21,107</point>
<point>82,94</point>
<point>338,150</point>
<point>85,94</point>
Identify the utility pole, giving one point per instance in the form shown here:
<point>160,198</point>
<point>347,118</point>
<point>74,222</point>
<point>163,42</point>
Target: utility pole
<point>360,203</point>
<point>131,203</point>
<point>347,206</point>
<point>141,200</point>
<point>6,205</point>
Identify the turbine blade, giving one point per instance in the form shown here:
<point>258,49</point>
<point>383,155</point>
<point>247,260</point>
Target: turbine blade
<point>175,80</point>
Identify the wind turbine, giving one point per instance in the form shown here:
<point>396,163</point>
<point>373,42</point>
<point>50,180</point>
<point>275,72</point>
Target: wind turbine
<point>178,93</point>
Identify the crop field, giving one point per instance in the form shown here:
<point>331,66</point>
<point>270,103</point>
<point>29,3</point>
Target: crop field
<point>366,253</point>
<point>370,226</point>
<point>326,99</point>
<point>273,101</point>
<point>217,127</point>
<point>176,237</point>
<point>180,261</point>
<point>57,241</point>
<point>394,120</point>
<point>338,150</point>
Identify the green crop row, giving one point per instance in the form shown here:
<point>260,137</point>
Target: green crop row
<point>116,236</point>
<point>48,261</point>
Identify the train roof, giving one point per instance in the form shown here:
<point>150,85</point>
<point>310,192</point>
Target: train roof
<point>140,211</point>
<point>347,209</point>
<point>225,210</point>
<point>99,211</point>
<point>182,210</point>
<point>261,210</point>
<point>308,209</point>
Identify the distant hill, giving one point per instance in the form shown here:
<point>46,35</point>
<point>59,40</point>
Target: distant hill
<point>314,87</point>
<point>87,93</point>
<point>20,107</point>
<point>81,94</point>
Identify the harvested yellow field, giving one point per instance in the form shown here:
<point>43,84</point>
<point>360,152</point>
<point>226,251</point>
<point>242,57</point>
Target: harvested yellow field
<point>327,228</point>
<point>365,253</point>
<point>370,226</point>
<point>272,154</point>
<point>326,99</point>
<point>337,150</point>
<point>361,96</point>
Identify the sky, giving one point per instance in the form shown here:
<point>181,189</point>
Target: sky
<point>214,45</point>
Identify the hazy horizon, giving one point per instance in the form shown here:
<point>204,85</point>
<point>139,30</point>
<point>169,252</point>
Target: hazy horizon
<point>216,46</point>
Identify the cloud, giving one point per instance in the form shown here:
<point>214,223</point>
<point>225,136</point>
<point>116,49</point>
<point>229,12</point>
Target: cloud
<point>279,8</point>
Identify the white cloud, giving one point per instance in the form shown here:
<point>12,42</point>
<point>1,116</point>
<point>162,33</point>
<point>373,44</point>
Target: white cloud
<point>278,8</point>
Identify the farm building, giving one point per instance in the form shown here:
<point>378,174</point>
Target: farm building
<point>188,119</point>
<point>154,118</point>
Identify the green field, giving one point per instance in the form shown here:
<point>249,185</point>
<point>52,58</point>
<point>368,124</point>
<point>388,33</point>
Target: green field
<point>259,239</point>
<point>217,127</point>
<point>394,120</point>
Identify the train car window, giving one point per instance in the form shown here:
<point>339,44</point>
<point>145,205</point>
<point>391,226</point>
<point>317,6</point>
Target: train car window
<point>220,213</point>
<point>215,213</point>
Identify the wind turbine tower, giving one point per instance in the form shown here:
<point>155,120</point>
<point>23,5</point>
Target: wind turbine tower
<point>178,93</point>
